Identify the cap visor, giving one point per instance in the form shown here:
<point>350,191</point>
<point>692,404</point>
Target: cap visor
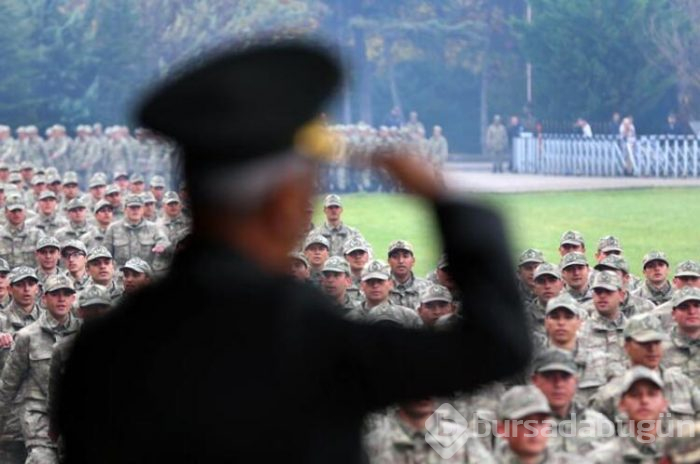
<point>436,298</point>
<point>527,411</point>
<point>649,336</point>
<point>557,367</point>
<point>375,275</point>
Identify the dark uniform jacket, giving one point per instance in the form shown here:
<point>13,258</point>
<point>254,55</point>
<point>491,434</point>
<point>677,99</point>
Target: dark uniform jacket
<point>222,362</point>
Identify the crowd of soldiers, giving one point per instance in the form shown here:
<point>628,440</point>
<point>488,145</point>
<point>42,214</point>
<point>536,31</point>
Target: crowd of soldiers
<point>617,362</point>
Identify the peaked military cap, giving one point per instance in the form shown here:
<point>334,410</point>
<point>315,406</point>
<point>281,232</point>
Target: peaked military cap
<point>572,237</point>
<point>75,203</point>
<point>157,181</point>
<point>98,252</point>
<point>97,180</point>
<point>58,282</point>
<point>683,447</point>
<point>22,272</point>
<point>15,177</point>
<point>70,177</point>
<point>171,197</point>
<point>547,269</point>
<point>655,256</point>
<point>687,269</point>
<point>336,264</point>
<point>47,194</point>
<point>112,189</point>
<point>609,243</point>
<point>376,269</point>
<point>399,315</point>
<point>26,165</point>
<point>120,174</point>
<point>75,244</point>
<point>94,295</point>
<point>14,202</point>
<point>637,373</point>
<point>133,199</point>
<point>102,204</point>
<point>571,259</point>
<point>221,113</point>
<point>608,280</point>
<point>300,257</point>
<point>613,262</point>
<point>332,200</point>
<point>522,401</point>
<point>684,294</point>
<point>554,359</point>
<point>137,265</point>
<point>435,293</point>
<point>4,265</point>
<point>136,179</point>
<point>443,261</point>
<point>355,243</point>
<point>400,245</point>
<point>47,241</point>
<point>148,197</point>
<point>316,238</point>
<point>36,180</point>
<point>565,301</point>
<point>531,255</point>
<point>644,328</point>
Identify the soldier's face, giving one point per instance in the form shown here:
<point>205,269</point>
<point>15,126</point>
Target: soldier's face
<point>98,191</point>
<point>527,273</point>
<point>686,281</point>
<point>137,187</point>
<point>357,259</point>
<point>16,217</point>
<point>77,215</point>
<point>74,260</point>
<point>47,206</point>
<point>59,302</point>
<point>25,291</point>
<point>298,270</point>
<point>576,276</point>
<point>173,209</point>
<point>158,192</point>
<point>644,401</point>
<point>335,283</point>
<point>558,386</point>
<point>134,280</point>
<point>38,188</point>
<point>149,209</point>
<point>444,278</point>
<point>567,248</point>
<point>607,302</point>
<point>376,290</point>
<point>333,212</point>
<point>561,326</point>
<point>92,311</point>
<point>600,255</point>
<point>431,311</point>
<point>55,187</point>
<point>687,315</point>
<point>48,257</point>
<point>401,262</point>
<point>547,287</point>
<point>647,354</point>
<point>317,254</point>
<point>522,440</point>
<point>4,283</point>
<point>114,198</point>
<point>656,272</point>
<point>27,174</point>
<point>70,191</point>
<point>104,216</point>
<point>101,270</point>
<point>134,213</point>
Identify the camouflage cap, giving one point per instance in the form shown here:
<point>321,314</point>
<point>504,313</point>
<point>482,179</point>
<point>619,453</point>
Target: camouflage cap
<point>98,252</point>
<point>75,244</point>
<point>14,202</point>
<point>555,359</point>
<point>654,256</point>
<point>136,179</point>
<point>571,259</point>
<point>332,200</point>
<point>4,266</point>
<point>637,373</point>
<point>687,268</point>
<point>137,265</point>
<point>26,165</point>
<point>58,282</point>
<point>36,180</point>
<point>607,280</point>
<point>20,273</point>
<point>572,237</point>
<point>15,177</point>
<point>70,177</point>
<point>613,262</point>
<point>522,401</point>
<point>47,195</point>
<point>400,315</point>
<point>300,257</point>
<point>157,181</point>
<point>102,204</point>
<point>354,244</point>
<point>4,166</point>
<point>47,241</point>
<point>112,189</point>
<point>684,294</point>
<point>400,245</point>
<point>75,203</point>
<point>565,301</point>
<point>336,264</point>
<point>547,269</point>
<point>97,180</point>
<point>53,179</point>
<point>94,295</point>
<point>531,255</point>
<point>119,174</point>
<point>443,261</point>
<point>683,447</point>
<point>133,199</point>
<point>315,238</point>
<point>171,197</point>
<point>376,269</point>
<point>609,243</point>
<point>436,292</point>
<point>148,198</point>
<point>643,328</point>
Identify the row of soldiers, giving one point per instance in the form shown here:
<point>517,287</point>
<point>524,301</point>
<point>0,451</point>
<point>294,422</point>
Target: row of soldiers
<point>616,355</point>
<point>90,150</point>
<point>68,255</point>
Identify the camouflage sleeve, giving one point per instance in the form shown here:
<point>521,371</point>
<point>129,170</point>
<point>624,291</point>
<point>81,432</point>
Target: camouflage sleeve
<point>13,373</point>
<point>54,385</point>
<point>108,241</point>
<point>161,237</point>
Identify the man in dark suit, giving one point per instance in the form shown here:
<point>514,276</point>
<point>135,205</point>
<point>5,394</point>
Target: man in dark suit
<point>228,359</point>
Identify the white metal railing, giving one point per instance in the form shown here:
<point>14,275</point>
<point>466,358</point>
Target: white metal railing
<point>646,156</point>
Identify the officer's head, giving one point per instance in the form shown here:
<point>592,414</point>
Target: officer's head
<point>77,212</point>
<point>15,210</point>
<point>527,263</point>
<point>332,208</point>
<point>94,301</point>
<point>435,302</point>
<point>299,266</point>
<point>48,253</point>
<point>608,294</point>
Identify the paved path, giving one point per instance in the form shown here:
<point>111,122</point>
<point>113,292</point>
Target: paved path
<point>476,177</point>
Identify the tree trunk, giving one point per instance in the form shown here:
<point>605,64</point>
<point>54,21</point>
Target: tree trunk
<point>364,84</point>
<point>391,75</point>
<point>484,105</point>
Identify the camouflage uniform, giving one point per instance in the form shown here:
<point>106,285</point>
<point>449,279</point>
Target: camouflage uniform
<point>393,441</point>
<point>575,258</point>
<point>655,295</point>
<point>176,228</point>
<point>626,449</point>
<point>407,293</point>
<point>386,311</point>
<point>338,235</point>
<point>682,351</point>
<point>49,225</point>
<point>311,239</point>
<point>664,312</point>
<point>25,381</point>
<point>72,231</point>
<point>535,310</point>
<point>528,256</point>
<point>17,244</point>
<point>125,240</point>
<point>354,292</point>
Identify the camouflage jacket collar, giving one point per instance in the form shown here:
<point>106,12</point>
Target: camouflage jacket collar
<point>141,223</point>
<point>599,322</point>
<point>402,287</point>
<point>631,450</point>
<point>5,302</point>
<point>51,219</point>
<point>79,228</point>
<point>585,294</point>
<point>18,318</point>
<point>508,457</point>
<point>49,324</point>
<point>659,293</point>
<point>179,219</point>
<point>14,231</point>
<point>681,340</point>
<point>43,275</point>
<point>340,229</point>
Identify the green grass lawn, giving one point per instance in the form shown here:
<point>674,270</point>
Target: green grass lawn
<point>644,219</point>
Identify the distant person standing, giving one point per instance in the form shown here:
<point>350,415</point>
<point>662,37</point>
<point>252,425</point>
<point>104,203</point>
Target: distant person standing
<point>515,129</point>
<point>414,125</point>
<point>628,136</point>
<point>394,118</point>
<point>673,126</point>
<point>497,143</point>
<point>438,149</point>
<point>584,127</point>
<point>614,124</point>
